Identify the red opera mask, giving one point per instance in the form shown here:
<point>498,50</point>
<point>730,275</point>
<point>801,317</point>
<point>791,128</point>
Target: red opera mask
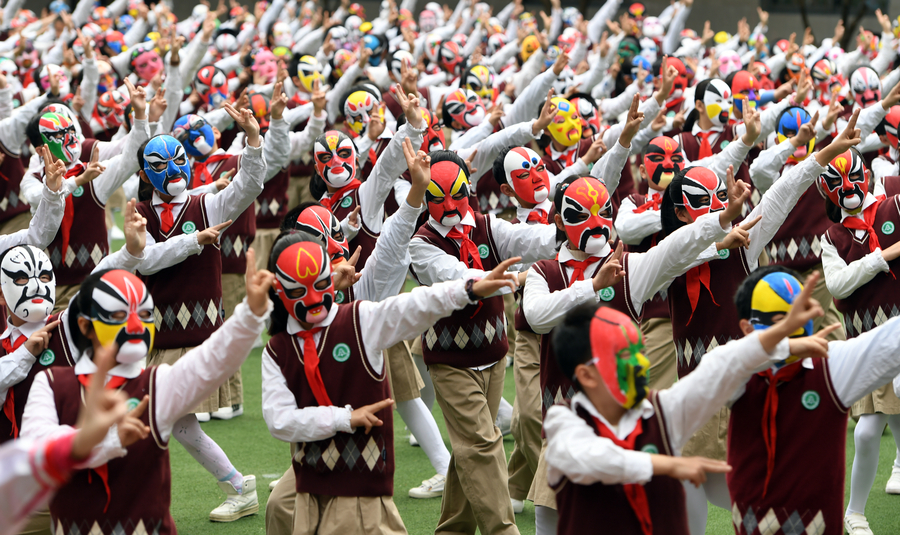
<point>303,282</point>
<point>465,107</point>
<point>663,158</point>
<point>616,348</point>
<point>587,215</point>
<point>335,158</point>
<point>527,175</point>
<point>702,192</point>
<point>448,193</point>
<point>319,221</point>
<point>846,181</point>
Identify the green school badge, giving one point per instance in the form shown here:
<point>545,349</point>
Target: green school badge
<point>650,448</point>
<point>341,352</point>
<point>724,144</point>
<point>887,228</point>
<point>78,192</point>
<point>188,227</point>
<point>483,251</point>
<point>724,254</point>
<point>346,202</point>
<point>339,297</point>
<point>810,400</point>
<point>47,357</point>
<point>132,403</point>
<point>607,294</point>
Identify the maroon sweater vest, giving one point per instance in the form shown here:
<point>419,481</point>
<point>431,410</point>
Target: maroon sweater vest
<point>797,243</point>
<point>658,307</point>
<point>714,322</point>
<point>475,335</point>
<point>273,201</point>
<point>187,296</point>
<point>53,356</point>
<point>236,239</point>
<point>876,301</point>
<point>691,147</point>
<point>139,483</point>
<point>584,507</point>
<point>365,238</point>
<point>88,239</point>
<point>817,496</point>
<point>555,386</point>
<point>347,464</point>
<point>11,172</point>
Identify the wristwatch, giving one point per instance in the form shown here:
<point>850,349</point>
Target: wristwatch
<point>470,285</point>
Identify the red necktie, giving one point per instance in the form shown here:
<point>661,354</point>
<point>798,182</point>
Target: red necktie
<point>113,383</point>
<point>311,368</point>
<point>9,405</point>
<point>635,492</point>
<point>202,176</point>
<point>537,216</point>
<point>335,197</point>
<point>705,149</point>
<point>467,248</point>
<point>69,211</point>
<point>167,219</point>
<point>770,411</point>
<point>578,267</point>
<point>653,204</point>
<point>696,277</point>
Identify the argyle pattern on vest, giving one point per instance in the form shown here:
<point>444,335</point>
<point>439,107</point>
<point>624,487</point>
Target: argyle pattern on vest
<point>767,523</point>
<point>692,351</point>
<point>344,453</point>
<point>234,246</point>
<point>471,335</point>
<point>76,256</point>
<point>780,251</point>
<point>189,315</point>
<point>128,528</point>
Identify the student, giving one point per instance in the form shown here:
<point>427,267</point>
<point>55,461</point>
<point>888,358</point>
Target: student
<point>325,388</point>
<point>613,450</point>
<point>115,306</point>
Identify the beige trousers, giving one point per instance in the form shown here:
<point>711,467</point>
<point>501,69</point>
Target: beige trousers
<point>509,309</point>
<point>475,492</point>
<point>38,524</point>
<point>16,223</point>
<point>526,418</point>
<point>659,348</point>
<point>64,294</point>
<point>541,493</point>
<point>404,376</point>
<point>317,514</point>
<point>262,246</point>
<point>280,505</point>
<point>234,289</point>
<point>298,191</point>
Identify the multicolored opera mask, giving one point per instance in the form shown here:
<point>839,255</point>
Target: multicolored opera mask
<point>662,159</point>
<point>122,313</point>
<point>44,79</point>
<point>865,86</point>
<point>28,283</point>
<point>586,211</point>
<point>265,64</point>
<point>303,282</point>
<point>434,136</point>
<point>447,196</point>
<point>308,72</point>
<point>358,110</point>
<point>617,347</point>
<point>789,122</point>
<point>335,158</point>
<point>566,126</point>
<point>110,109</point>
<point>480,79</point>
<point>59,134</point>
<point>195,134</point>
<point>717,101</point>
<point>465,107</point>
<point>527,175</point>
<point>590,116</point>
<point>319,221</point>
<point>146,62</point>
<point>846,181</point>
<point>211,84</point>
<point>702,192</point>
<point>166,165</point>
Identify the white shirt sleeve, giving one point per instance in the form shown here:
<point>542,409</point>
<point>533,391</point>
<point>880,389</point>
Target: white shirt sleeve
<point>385,271</point>
<point>545,309</point>
<point>44,223</point>
<point>120,168</point>
<point>531,242</point>
<point>632,228</point>
<point>245,187</point>
<point>277,149</point>
<point>14,368</point>
<point>302,142</point>
<point>862,364</point>
<point>843,279</point>
<point>766,168</point>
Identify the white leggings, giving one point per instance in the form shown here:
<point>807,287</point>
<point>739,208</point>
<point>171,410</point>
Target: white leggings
<point>545,520</point>
<point>867,438</point>
<point>714,491</point>
<point>205,451</point>
<point>422,425</point>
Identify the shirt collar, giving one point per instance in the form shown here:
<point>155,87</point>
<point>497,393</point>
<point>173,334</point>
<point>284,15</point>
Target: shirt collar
<point>565,253</point>
<point>468,220</point>
<point>869,201</point>
<point>522,213</point>
<point>293,326</point>
<point>86,366</point>
<point>26,329</point>
<point>181,198</point>
<point>628,421</point>
<point>556,155</point>
<point>696,129</point>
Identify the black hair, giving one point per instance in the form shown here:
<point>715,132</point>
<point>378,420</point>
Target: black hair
<point>670,221</point>
<point>145,189</point>
<point>279,317</point>
<point>290,219</point>
<point>833,211</point>
<point>571,340</point>
<point>557,204</point>
<point>499,169</point>
<point>744,295</point>
<point>294,65</point>
<point>81,305</point>
<point>694,115</point>
<point>442,155</point>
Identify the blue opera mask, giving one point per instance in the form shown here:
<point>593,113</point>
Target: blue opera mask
<point>195,134</point>
<point>166,165</point>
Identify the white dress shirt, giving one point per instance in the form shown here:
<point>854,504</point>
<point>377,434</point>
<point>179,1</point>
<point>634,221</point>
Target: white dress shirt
<point>632,227</point>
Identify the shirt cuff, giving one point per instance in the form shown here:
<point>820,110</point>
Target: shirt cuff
<point>54,196</point>
<point>638,467</point>
<point>254,321</point>
<point>584,292</point>
<point>413,130</point>
<point>782,351</point>
<point>342,419</point>
<point>876,263</point>
<point>254,152</point>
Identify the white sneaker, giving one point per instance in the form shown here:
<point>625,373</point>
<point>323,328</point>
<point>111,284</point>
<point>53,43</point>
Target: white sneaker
<point>856,524</point>
<point>412,440</point>
<point>504,423</point>
<point>237,505</point>
<point>116,233</point>
<point>227,413</point>
<point>202,416</point>
<point>509,361</point>
<point>273,483</point>
<point>893,484</point>
<point>430,488</point>
<point>518,505</point>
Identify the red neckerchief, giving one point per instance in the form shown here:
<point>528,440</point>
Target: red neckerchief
<point>296,98</point>
<point>654,204</point>
<point>69,212</point>
<point>9,405</point>
<point>635,492</point>
<point>328,202</point>
<point>696,277</point>
<point>537,216</point>
<point>201,172</point>
<point>578,267</point>
<point>102,470</point>
<point>568,157</point>
<point>467,248</point>
<point>855,223</point>
<point>311,368</point>
<point>770,411</point>
<point>705,148</point>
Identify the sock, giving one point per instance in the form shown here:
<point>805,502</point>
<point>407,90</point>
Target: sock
<point>205,451</point>
<point>545,520</point>
<point>422,425</point>
<point>867,438</point>
<point>695,503</point>
<point>504,413</point>
<point>428,391</point>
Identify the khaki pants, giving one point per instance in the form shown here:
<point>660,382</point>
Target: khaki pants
<point>64,294</point>
<point>38,524</point>
<point>403,375</point>
<point>317,514</point>
<point>280,505</point>
<point>541,493</point>
<point>509,309</point>
<point>824,297</point>
<point>298,191</point>
<point>16,223</point>
<point>234,288</point>
<point>711,440</point>
<point>262,246</point>
<point>475,493</point>
<point>526,419</point>
<point>115,202</point>
<point>170,356</point>
<point>660,351</point>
